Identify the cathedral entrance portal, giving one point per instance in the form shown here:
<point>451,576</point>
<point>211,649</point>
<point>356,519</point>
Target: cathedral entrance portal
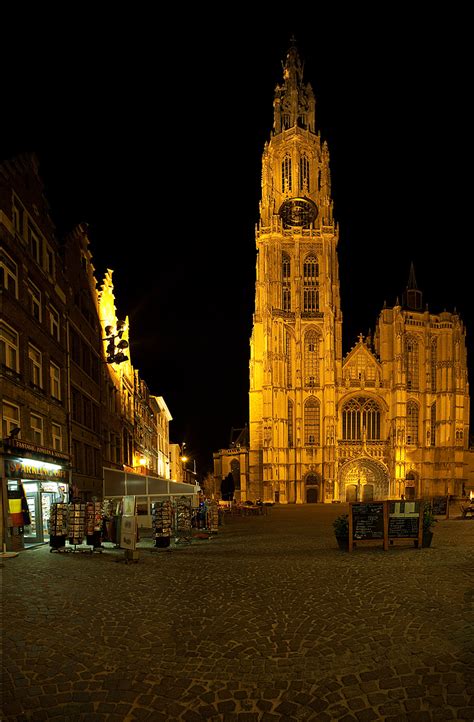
<point>363,480</point>
<point>312,482</point>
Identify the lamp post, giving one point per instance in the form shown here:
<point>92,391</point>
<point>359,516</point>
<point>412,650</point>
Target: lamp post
<point>115,351</point>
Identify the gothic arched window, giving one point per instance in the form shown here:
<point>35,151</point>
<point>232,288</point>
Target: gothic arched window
<point>235,471</point>
<point>412,423</point>
<point>288,359</point>
<point>434,354</point>
<point>304,174</point>
<point>359,416</point>
<point>310,284</point>
<point>312,422</point>
<point>286,174</point>
<point>412,362</point>
<point>286,282</point>
<point>433,424</point>
<point>290,423</point>
<point>311,359</point>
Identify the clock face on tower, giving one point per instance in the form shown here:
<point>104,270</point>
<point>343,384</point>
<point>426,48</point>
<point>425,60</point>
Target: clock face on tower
<point>298,212</point>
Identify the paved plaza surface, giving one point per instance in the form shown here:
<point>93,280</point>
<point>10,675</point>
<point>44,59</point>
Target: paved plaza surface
<point>268,620</point>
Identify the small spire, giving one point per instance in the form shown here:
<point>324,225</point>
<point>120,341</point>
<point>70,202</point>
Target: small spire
<point>411,279</point>
<point>412,298</point>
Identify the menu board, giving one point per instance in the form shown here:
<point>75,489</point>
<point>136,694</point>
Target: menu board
<point>439,505</point>
<point>403,519</point>
<point>367,520</point>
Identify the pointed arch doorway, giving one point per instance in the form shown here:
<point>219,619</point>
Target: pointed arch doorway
<point>363,479</point>
<point>312,483</point>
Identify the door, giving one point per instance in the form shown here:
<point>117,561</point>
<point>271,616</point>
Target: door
<point>34,531</point>
<point>351,492</point>
<point>312,495</point>
<point>368,492</point>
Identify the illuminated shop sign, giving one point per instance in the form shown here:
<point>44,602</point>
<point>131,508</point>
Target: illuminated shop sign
<point>32,469</point>
<point>20,445</point>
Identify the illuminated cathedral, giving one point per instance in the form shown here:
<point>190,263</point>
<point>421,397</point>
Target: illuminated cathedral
<point>391,417</point>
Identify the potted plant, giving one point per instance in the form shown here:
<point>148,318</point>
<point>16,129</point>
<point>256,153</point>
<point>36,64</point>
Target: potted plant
<point>341,530</point>
<point>429,521</point>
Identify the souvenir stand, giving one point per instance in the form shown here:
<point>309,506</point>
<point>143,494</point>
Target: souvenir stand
<point>183,520</point>
<point>76,524</point>
<point>111,521</point>
<point>213,516</point>
<point>58,526</point>
<point>93,521</point>
<point>162,522</point>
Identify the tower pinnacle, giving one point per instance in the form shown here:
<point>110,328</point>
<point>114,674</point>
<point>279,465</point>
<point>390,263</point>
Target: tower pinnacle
<point>294,103</point>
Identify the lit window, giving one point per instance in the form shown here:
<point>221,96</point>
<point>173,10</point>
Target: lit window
<point>304,174</point>
<point>412,423</point>
<point>54,323</point>
<point>311,358</point>
<point>36,363</point>
<point>433,424</point>
<point>412,362</point>
<point>434,354</point>
<point>310,284</point>
<point>55,380</point>
<point>10,418</point>
<point>360,416</point>
<point>36,425</point>
<point>286,282</point>
<point>286,174</point>
<point>312,422</point>
<point>290,423</point>
<point>9,347</point>
<point>8,273</point>
<point>35,297</point>
<point>57,434</point>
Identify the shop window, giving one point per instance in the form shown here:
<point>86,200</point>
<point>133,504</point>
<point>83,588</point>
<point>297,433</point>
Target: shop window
<point>9,347</point>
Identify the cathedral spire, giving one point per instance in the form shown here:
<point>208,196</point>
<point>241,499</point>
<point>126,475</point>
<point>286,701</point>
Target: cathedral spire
<point>294,103</point>
<point>412,298</point>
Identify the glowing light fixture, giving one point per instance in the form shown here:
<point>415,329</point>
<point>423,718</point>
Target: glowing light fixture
<point>39,464</point>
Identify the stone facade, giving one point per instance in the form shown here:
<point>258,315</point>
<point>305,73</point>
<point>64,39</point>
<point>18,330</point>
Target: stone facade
<point>389,418</point>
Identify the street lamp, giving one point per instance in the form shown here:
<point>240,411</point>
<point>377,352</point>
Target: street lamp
<point>115,354</point>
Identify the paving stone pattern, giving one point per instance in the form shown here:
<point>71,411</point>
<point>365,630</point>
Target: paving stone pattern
<point>266,621</point>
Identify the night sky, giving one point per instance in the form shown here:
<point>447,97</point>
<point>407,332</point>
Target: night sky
<point>154,135</point>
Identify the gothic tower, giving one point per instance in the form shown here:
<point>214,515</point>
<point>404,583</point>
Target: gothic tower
<point>391,418</point>
<point>296,347</point>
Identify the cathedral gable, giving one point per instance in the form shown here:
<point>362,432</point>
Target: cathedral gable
<point>361,367</point>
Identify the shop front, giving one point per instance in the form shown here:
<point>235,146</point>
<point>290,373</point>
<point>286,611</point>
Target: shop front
<point>34,478</point>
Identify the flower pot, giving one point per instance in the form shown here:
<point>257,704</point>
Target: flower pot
<point>427,537</point>
<point>343,542</point>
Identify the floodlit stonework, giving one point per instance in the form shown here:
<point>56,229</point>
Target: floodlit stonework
<point>391,417</point>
